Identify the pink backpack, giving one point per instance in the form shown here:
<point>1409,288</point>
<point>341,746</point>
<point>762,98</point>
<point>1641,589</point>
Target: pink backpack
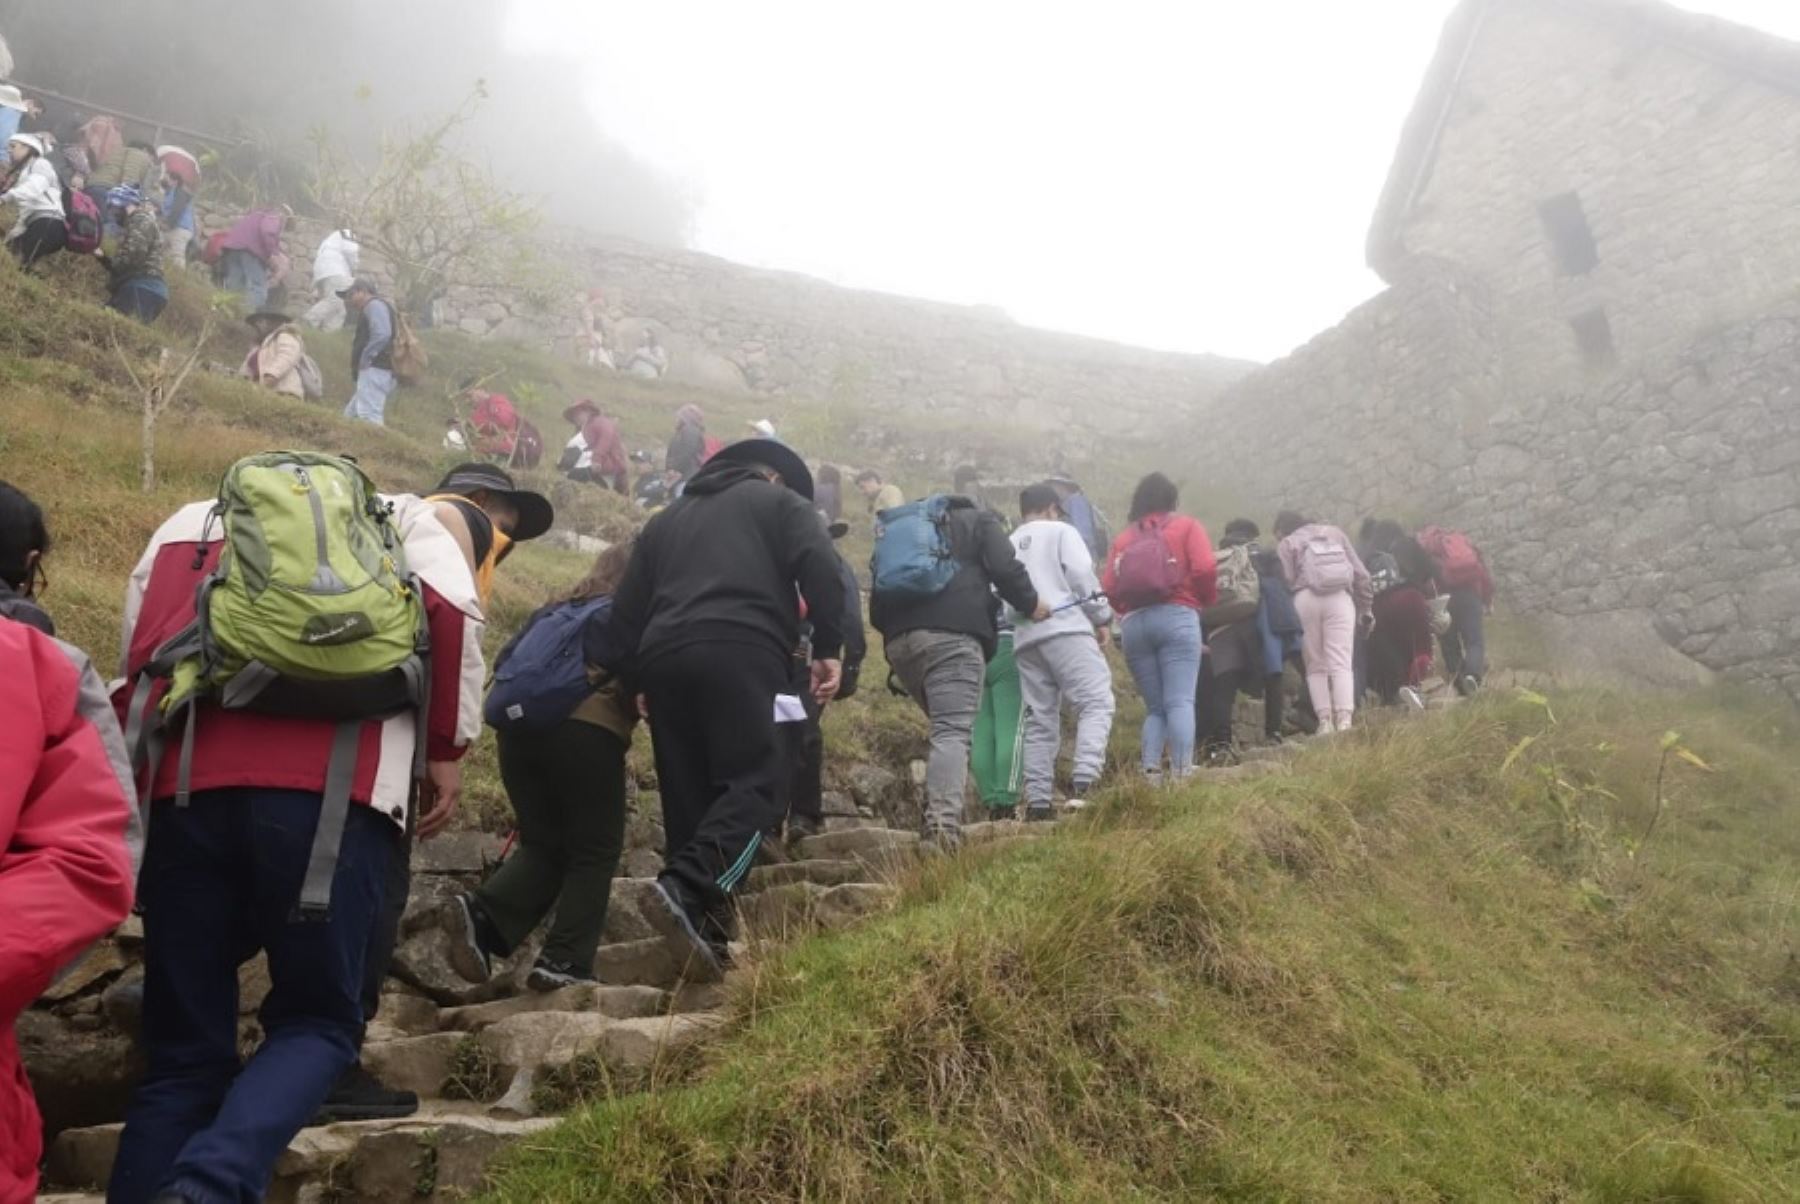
<point>83,223</point>
<point>1146,572</point>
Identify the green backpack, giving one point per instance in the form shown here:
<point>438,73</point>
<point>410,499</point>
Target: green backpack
<point>310,613</point>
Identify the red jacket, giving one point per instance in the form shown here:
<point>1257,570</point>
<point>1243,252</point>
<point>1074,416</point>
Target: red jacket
<point>1188,543</point>
<point>245,749</point>
<point>65,868</point>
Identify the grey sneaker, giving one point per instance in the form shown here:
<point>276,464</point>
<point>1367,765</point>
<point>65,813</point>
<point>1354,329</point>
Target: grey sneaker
<point>940,841</point>
<point>680,931</point>
<point>547,976</point>
<point>1039,813</point>
<point>1466,685</point>
<point>468,955</point>
<point>1411,699</point>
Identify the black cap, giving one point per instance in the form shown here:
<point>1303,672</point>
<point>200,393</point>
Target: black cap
<point>773,455</point>
<point>1036,498</point>
<point>535,512</point>
<point>363,283</point>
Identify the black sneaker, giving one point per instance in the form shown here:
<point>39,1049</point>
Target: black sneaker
<point>679,926</point>
<point>547,976</point>
<point>1003,813</point>
<point>1039,813</point>
<point>469,956</point>
<point>799,827</point>
<point>1467,685</point>
<point>359,1095</point>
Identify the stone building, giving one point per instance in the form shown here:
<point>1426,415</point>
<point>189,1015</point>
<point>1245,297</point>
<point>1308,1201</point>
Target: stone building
<point>1621,173</point>
<point>1588,354</point>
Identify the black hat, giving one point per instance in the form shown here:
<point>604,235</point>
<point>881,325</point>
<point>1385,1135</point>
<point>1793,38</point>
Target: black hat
<point>773,455</point>
<point>1035,498</point>
<point>362,283</point>
<point>535,512</point>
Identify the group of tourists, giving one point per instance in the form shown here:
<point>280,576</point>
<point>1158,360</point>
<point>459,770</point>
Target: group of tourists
<point>996,639</point>
<point>272,754</point>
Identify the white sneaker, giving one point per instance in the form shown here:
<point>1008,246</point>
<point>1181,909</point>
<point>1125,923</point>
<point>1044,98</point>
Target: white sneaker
<point>1410,697</point>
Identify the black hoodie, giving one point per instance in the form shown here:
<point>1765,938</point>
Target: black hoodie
<point>966,606</point>
<point>721,565</point>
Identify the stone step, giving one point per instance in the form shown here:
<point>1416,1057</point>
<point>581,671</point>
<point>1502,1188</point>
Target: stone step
<point>621,1003</point>
<point>877,847</point>
<point>441,1154</point>
<point>820,871</point>
<point>796,908</point>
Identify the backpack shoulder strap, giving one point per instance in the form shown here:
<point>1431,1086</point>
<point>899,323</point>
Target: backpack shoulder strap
<point>334,810</point>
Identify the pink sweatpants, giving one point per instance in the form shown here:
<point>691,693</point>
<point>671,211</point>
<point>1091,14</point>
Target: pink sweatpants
<point>1329,624</point>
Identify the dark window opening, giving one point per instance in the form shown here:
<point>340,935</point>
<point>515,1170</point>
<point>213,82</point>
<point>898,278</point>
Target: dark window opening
<point>1594,336</point>
<point>1571,238</point>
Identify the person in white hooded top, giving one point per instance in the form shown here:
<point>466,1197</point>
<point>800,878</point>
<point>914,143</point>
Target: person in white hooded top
<point>334,268</point>
<point>1061,659</point>
<point>32,187</point>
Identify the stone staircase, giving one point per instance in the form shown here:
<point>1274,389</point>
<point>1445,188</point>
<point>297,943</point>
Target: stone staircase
<point>494,1064</point>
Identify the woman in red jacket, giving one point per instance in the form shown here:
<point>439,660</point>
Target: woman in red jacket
<point>65,867</point>
<point>1159,573</point>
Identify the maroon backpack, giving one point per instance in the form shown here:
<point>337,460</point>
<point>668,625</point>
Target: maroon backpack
<point>1146,572</point>
<point>83,222</point>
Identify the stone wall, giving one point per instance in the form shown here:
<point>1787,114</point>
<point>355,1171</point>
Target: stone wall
<point>1686,167</point>
<point>779,334</point>
<point>1666,496</point>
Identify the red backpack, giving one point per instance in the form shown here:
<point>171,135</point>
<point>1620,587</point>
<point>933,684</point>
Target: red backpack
<point>710,447</point>
<point>1146,572</point>
<point>1457,562</point>
<point>83,222</point>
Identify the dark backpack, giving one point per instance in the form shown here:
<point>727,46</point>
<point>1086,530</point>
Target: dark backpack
<point>1146,572</point>
<point>83,222</point>
<point>541,676</point>
<point>914,557</point>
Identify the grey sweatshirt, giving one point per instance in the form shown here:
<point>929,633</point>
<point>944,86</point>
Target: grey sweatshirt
<point>1062,571</point>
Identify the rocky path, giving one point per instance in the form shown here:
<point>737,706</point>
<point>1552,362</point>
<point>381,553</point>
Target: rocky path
<point>496,1063</point>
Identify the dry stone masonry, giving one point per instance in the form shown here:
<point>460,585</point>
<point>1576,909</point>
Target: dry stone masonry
<point>1589,351</point>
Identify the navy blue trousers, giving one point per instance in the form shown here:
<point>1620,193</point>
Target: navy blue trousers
<point>221,879</point>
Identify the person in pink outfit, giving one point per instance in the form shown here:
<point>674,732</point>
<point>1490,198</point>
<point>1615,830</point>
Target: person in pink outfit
<point>1334,595</point>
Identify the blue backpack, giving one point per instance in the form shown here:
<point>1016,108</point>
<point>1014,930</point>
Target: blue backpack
<point>913,557</point>
<point>541,676</point>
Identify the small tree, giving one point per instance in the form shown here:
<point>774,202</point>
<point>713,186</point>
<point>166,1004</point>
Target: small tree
<point>158,388</point>
<point>432,214</point>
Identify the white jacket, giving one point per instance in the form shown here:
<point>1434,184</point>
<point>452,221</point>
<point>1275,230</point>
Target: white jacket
<point>1062,572</point>
<point>338,256</point>
<point>37,193</point>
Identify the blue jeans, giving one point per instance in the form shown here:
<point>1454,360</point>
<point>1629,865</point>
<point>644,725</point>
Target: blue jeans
<point>1465,644</point>
<point>141,298</point>
<point>1162,647</point>
<point>247,276</point>
<point>220,881</point>
<point>369,402</point>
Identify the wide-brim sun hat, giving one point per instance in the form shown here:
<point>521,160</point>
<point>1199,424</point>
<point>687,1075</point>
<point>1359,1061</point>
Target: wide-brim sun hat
<point>536,514</point>
<point>12,98</point>
<point>31,141</point>
<point>767,453</point>
<point>268,315</point>
<point>584,406</point>
<point>180,163</point>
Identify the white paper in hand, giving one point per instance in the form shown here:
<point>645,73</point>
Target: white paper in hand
<point>789,709</point>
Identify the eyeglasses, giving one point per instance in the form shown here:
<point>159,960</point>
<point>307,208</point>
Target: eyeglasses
<point>37,581</point>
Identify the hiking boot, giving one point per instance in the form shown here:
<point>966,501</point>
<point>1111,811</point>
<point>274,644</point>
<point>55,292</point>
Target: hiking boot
<point>1411,699</point>
<point>1008,812</point>
<point>466,927</point>
<point>1039,813</point>
<point>1081,790</point>
<point>1466,685</point>
<point>678,923</point>
<point>799,827</point>
<point>359,1095</point>
<point>1220,756</point>
<point>547,976</point>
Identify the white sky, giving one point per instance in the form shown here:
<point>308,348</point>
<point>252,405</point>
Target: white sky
<point>1196,175</point>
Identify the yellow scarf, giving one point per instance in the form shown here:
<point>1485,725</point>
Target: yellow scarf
<point>484,572</point>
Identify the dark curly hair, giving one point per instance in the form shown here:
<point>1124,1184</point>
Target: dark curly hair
<point>1155,494</point>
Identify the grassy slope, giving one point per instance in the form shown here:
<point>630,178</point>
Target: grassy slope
<point>1401,973</point>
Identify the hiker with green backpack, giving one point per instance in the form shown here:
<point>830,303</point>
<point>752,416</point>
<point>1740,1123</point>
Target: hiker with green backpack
<point>301,656</point>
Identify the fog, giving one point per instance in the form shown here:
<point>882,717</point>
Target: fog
<point>274,71</point>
